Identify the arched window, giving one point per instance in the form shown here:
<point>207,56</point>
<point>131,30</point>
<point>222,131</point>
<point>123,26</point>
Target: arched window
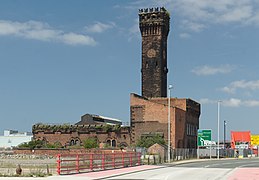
<point>72,142</point>
<point>77,142</point>
<point>113,143</point>
<point>108,142</point>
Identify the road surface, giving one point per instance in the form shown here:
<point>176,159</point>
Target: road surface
<point>234,169</point>
<point>225,169</point>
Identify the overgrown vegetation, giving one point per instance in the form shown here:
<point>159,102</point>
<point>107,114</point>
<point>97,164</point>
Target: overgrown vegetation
<point>149,140</point>
<point>39,144</point>
<point>107,127</point>
<point>68,127</point>
<point>90,143</point>
<point>32,173</point>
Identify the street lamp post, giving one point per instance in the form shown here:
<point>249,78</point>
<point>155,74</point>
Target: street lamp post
<point>169,127</point>
<point>218,128</point>
<point>224,138</point>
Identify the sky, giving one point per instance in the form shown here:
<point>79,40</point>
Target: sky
<point>62,59</point>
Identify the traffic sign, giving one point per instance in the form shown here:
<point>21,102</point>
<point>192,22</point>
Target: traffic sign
<point>204,137</point>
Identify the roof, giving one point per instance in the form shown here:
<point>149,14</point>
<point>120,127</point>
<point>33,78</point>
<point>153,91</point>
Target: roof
<point>108,118</point>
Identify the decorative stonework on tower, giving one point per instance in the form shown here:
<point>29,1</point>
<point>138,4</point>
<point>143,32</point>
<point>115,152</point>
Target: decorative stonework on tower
<point>154,26</point>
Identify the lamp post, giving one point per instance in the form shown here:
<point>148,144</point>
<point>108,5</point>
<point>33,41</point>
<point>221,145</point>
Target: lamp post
<point>224,138</point>
<point>218,128</point>
<point>169,127</point>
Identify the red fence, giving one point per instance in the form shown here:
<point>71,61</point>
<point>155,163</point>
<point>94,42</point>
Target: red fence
<point>77,163</point>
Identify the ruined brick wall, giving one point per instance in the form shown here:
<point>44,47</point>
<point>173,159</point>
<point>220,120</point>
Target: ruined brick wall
<point>158,149</point>
<point>78,133</point>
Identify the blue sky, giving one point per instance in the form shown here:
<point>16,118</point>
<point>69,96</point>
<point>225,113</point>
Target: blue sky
<point>62,59</point>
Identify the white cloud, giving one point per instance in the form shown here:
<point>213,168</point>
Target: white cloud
<point>134,30</point>
<point>242,84</point>
<point>99,27</point>
<point>77,39</point>
<point>185,35</point>
<point>251,103</point>
<point>193,26</point>
<point>209,70</point>
<point>206,101</point>
<point>232,102</point>
<point>198,14</point>
<point>237,14</point>
<point>43,32</point>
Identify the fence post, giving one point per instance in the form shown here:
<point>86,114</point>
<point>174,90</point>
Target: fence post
<point>122,159</point>
<point>139,156</point>
<point>58,164</point>
<point>131,158</point>
<point>77,163</point>
<point>113,160</point>
<point>91,162</point>
<point>103,161</point>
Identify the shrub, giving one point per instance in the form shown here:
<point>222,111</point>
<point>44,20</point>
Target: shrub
<point>90,143</point>
<point>149,140</point>
<point>32,144</point>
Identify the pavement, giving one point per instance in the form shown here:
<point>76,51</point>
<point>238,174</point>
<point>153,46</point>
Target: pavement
<point>116,172</point>
<point>237,174</point>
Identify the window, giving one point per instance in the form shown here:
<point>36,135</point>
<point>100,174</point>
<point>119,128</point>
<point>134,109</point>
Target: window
<point>113,143</point>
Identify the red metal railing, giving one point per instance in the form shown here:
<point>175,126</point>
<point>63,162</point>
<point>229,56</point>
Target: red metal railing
<point>77,163</point>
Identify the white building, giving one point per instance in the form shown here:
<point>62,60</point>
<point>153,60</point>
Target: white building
<point>13,138</point>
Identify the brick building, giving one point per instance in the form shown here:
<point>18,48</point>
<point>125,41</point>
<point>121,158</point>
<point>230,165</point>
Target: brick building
<point>108,132</point>
<point>149,112</point>
<point>150,116</point>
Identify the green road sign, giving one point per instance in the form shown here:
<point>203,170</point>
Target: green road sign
<point>204,137</point>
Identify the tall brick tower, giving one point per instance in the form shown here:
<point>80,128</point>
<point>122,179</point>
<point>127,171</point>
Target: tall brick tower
<point>154,26</point>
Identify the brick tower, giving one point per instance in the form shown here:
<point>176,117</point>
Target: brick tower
<point>154,27</point>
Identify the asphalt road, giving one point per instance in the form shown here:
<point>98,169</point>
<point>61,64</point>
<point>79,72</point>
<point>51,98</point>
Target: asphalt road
<point>229,169</point>
<point>223,163</point>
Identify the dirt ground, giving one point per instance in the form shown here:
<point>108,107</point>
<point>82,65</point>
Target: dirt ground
<point>28,164</point>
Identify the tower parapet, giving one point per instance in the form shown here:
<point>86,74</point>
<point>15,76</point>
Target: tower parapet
<point>153,20</point>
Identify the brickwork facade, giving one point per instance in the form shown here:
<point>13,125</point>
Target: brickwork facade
<point>151,116</point>
<point>76,134</point>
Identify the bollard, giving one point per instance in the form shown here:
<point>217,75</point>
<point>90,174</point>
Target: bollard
<point>77,163</point>
<point>91,162</point>
<point>103,161</point>
<point>58,164</point>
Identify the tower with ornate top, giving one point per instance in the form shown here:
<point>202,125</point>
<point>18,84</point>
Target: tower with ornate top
<point>154,26</point>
